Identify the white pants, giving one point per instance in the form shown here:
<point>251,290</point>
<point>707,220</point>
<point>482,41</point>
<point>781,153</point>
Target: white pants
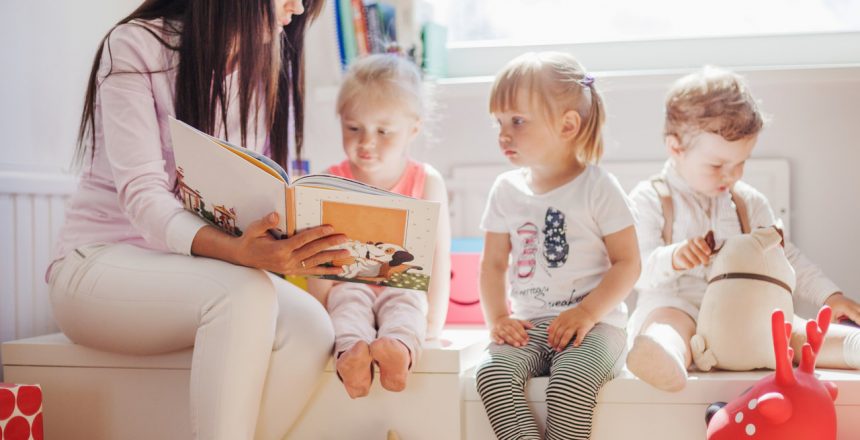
<point>360,314</point>
<point>260,343</point>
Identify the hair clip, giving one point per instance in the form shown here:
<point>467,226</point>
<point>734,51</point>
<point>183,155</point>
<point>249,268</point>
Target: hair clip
<point>586,80</point>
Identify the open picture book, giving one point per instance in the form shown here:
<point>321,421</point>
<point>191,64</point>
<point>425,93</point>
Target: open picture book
<point>391,236</point>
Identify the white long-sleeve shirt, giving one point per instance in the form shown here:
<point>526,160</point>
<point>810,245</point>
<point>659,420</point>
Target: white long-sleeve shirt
<point>126,193</point>
<point>696,214</point>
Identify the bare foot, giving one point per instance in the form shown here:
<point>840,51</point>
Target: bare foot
<point>354,368</point>
<point>393,360</point>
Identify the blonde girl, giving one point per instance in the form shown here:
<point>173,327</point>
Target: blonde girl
<point>381,105</point>
<point>564,225</point>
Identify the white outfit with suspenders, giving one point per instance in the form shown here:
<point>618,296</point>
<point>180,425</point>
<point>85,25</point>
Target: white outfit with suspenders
<point>668,213</point>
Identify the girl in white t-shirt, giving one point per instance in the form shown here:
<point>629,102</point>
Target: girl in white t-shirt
<point>562,229</point>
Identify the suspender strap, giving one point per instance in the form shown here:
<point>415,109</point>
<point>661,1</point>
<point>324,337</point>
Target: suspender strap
<point>665,194</point>
<point>741,209</point>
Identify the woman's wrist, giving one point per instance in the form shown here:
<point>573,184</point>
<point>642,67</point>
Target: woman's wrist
<point>213,243</point>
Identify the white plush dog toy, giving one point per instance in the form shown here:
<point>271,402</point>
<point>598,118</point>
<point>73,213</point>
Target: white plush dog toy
<point>749,278</point>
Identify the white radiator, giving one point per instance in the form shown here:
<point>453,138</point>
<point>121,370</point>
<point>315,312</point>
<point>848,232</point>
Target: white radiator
<point>32,208</point>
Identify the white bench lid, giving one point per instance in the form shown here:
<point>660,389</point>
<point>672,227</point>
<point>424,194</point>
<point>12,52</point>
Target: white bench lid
<point>56,350</point>
<point>458,350</point>
<point>701,389</point>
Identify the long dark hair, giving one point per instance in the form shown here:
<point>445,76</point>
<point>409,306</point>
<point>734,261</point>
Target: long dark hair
<point>270,66</point>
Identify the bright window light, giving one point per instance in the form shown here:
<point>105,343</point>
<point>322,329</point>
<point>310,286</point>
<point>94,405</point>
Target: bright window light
<point>521,22</point>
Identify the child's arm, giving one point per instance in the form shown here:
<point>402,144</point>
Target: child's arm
<point>617,283</point>
<point>439,291</point>
<point>843,307</point>
<point>656,256</point>
<point>494,265</point>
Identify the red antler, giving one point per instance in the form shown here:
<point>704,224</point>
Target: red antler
<point>815,332</point>
<point>781,334</point>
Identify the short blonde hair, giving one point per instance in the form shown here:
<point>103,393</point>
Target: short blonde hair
<point>557,83</point>
<point>386,76</point>
<point>712,100</point>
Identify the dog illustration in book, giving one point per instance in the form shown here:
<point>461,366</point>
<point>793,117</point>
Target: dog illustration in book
<point>373,261</point>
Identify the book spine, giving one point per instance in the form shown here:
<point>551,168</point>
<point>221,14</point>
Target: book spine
<point>374,28</point>
<point>345,18</point>
<point>291,211</point>
<point>339,31</point>
<point>388,21</point>
<point>359,23</point>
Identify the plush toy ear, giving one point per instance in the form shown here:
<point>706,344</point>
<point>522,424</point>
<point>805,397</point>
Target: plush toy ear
<point>767,237</point>
<point>775,407</point>
<point>778,228</point>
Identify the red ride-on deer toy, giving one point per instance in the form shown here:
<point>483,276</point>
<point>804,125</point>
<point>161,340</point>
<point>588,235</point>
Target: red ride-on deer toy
<point>788,404</point>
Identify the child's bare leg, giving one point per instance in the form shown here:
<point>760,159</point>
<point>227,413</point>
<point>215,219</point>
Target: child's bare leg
<point>393,359</point>
<point>354,368</point>
<point>841,347</point>
<point>661,353</point>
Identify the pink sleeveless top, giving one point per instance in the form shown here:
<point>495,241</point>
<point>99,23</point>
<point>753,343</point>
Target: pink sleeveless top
<point>411,183</point>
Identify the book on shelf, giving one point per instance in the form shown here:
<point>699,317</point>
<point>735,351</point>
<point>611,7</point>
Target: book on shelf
<point>371,26</point>
<point>391,237</point>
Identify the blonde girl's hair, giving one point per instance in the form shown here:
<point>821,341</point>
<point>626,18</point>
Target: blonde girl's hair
<point>712,100</point>
<point>557,83</point>
<point>383,76</point>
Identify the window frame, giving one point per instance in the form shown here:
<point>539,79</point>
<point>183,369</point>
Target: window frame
<point>832,49</point>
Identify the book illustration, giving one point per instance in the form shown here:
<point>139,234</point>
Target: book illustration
<point>222,217</point>
<point>392,236</point>
<point>379,253</point>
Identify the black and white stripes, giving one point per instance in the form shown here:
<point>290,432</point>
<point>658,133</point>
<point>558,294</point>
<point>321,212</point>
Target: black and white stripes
<point>575,377</point>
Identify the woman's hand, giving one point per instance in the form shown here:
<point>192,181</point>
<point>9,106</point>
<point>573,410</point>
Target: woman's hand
<point>574,321</point>
<point>507,330</point>
<point>692,253</point>
<point>301,254</point>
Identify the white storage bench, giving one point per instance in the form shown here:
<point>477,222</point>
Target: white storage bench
<point>94,395</point>
<point>628,408</point>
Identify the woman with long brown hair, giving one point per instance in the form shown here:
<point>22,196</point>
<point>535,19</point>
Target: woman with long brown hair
<point>136,273</point>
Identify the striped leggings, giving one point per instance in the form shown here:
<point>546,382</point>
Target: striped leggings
<point>575,377</point>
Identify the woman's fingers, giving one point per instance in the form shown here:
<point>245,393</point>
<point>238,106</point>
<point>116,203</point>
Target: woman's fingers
<point>323,244</point>
<point>324,257</point>
<point>321,270</point>
<point>260,227</point>
<point>309,235</point>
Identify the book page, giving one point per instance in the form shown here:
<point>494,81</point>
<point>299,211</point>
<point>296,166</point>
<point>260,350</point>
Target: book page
<point>222,187</point>
<point>392,239</point>
<point>328,181</point>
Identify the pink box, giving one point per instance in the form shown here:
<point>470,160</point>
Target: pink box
<point>464,306</point>
<point>20,412</point>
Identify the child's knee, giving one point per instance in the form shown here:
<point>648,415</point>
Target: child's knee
<point>493,371</point>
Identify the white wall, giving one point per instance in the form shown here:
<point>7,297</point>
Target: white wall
<point>47,48</point>
<point>815,125</point>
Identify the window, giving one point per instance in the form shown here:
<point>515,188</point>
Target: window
<point>673,33</point>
